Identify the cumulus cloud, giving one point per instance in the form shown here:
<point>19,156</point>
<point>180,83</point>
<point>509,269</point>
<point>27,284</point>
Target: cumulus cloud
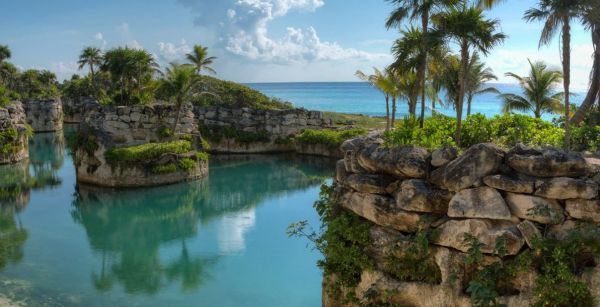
<point>244,25</point>
<point>170,52</point>
<point>64,70</point>
<point>99,37</point>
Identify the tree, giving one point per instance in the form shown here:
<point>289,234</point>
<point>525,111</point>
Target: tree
<point>591,20</point>
<point>468,27</point>
<point>5,53</point>
<point>91,57</point>
<point>381,81</point>
<point>418,9</point>
<point>131,71</point>
<point>557,14</point>
<point>200,59</point>
<point>538,89</point>
<point>479,75</point>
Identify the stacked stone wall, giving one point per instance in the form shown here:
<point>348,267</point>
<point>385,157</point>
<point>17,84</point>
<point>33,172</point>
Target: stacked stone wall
<point>486,192</point>
<point>44,115</point>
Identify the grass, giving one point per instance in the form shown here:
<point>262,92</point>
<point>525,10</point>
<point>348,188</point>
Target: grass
<point>357,120</point>
<point>330,138</point>
<point>145,152</point>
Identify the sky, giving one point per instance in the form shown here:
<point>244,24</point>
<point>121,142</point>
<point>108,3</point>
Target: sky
<point>254,40</point>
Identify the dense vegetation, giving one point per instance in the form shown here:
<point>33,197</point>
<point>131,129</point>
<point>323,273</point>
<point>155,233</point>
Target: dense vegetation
<point>330,138</point>
<point>145,152</point>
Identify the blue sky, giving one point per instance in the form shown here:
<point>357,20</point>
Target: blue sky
<point>254,40</point>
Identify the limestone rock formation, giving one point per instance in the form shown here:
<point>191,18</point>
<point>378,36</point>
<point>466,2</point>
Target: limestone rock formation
<point>44,115</point>
<point>443,156</point>
<point>13,134</point>
<point>534,208</point>
<point>452,234</point>
<point>404,161</point>
<point>420,196</point>
<point>529,232</point>
<point>483,203</point>
<point>547,162</point>
<point>566,188</point>
<point>510,184</point>
<point>584,209</point>
<point>368,183</point>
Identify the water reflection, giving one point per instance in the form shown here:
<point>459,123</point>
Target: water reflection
<point>142,236</point>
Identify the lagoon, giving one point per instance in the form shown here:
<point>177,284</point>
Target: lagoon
<point>219,241</point>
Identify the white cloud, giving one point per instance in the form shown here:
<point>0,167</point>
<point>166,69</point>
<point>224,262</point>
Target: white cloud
<point>171,52</point>
<point>64,70</point>
<point>99,37</point>
<point>244,28</point>
<point>123,30</point>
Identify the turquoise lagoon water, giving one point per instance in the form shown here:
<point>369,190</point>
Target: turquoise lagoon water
<point>361,98</point>
<point>215,242</point>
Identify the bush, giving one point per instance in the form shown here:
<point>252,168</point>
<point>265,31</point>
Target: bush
<point>330,138</point>
<point>202,155</point>
<point>187,164</point>
<point>234,95</point>
<point>145,152</point>
<point>165,132</point>
<point>164,168</point>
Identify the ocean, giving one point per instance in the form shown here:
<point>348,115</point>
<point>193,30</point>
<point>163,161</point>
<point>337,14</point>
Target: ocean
<point>361,98</point>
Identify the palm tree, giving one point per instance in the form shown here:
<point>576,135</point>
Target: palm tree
<point>468,28</point>
<point>200,59</point>
<point>4,53</point>
<point>403,85</point>
<point>448,77</point>
<point>381,81</point>
<point>91,57</point>
<point>130,70</point>
<point>538,88</point>
<point>591,19</point>
<point>557,14</point>
<point>418,9</point>
<point>180,85</point>
<point>479,75</point>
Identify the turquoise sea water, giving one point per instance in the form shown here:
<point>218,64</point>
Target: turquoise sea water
<point>215,242</point>
<point>361,98</point>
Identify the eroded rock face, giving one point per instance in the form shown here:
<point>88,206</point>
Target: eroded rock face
<point>405,161</point>
<point>381,210</point>
<point>368,183</point>
<point>584,209</point>
<point>529,232</point>
<point>12,121</point>
<point>452,234</point>
<point>44,115</point>
<point>566,188</point>
<point>443,156</point>
<point>534,208</point>
<point>510,184</point>
<point>420,196</point>
<point>340,171</point>
<point>483,202</point>
<point>477,162</point>
<point>547,162</point>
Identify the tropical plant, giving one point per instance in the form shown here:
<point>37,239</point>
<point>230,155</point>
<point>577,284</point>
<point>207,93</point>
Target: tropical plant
<point>479,76</point>
<point>538,89</point>
<point>91,57</point>
<point>468,27</point>
<point>200,59</point>
<point>558,14</point>
<point>4,53</point>
<point>381,81</point>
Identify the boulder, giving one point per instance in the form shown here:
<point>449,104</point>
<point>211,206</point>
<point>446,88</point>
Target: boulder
<point>529,232</point>
<point>566,188</point>
<point>340,171</point>
<point>452,234</point>
<point>510,184</point>
<point>369,183</point>
<point>420,196</point>
<point>561,231</point>
<point>584,209</point>
<point>443,156</point>
<point>483,202</point>
<point>381,210</point>
<point>470,168</point>
<point>534,208</point>
<point>405,161</point>
<point>351,162</point>
<point>547,162</point>
<point>393,187</point>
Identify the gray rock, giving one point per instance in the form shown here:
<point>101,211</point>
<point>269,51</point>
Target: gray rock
<point>529,232</point>
<point>404,161</point>
<point>534,208</point>
<point>584,209</point>
<point>547,162</point>
<point>420,196</point>
<point>443,156</point>
<point>510,184</point>
<point>470,168</point>
<point>484,202</point>
<point>452,234</point>
<point>566,188</point>
<point>340,171</point>
<point>368,183</point>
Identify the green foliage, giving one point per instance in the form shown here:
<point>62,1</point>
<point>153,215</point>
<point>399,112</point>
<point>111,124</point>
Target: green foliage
<point>164,168</point>
<point>9,139</point>
<point>217,133</point>
<point>203,156</point>
<point>330,138</point>
<point>437,132</point>
<point>234,95</point>
<point>146,152</point>
<point>187,164</point>
<point>164,132</point>
<point>585,137</point>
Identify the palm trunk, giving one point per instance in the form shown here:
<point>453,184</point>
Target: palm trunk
<point>594,89</point>
<point>423,68</point>
<point>393,111</point>
<point>469,99</point>
<point>178,111</point>
<point>93,78</point>
<point>387,113</point>
<point>464,62</point>
<point>566,53</point>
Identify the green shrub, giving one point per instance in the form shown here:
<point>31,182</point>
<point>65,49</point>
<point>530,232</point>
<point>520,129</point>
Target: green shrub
<point>202,155</point>
<point>330,138</point>
<point>145,152</point>
<point>586,138</point>
<point>9,140</point>
<point>415,262</point>
<point>164,168</point>
<point>187,164</point>
<point>165,132</point>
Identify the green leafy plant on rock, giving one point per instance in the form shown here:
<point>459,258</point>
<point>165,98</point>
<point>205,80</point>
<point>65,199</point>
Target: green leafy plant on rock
<point>146,152</point>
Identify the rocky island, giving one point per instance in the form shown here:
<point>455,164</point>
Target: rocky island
<point>14,133</point>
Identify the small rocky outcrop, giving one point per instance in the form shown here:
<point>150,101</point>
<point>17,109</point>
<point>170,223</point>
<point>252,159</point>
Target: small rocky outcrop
<point>500,203</point>
<point>44,115</point>
<point>14,134</point>
<point>73,108</point>
<point>134,146</point>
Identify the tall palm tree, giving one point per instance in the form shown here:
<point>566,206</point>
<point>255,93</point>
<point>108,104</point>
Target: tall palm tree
<point>448,77</point>
<point>413,10</point>
<point>591,20</point>
<point>91,57</point>
<point>479,75</point>
<point>381,81</point>
<point>4,53</point>
<point>538,89</point>
<point>130,70</point>
<point>200,59</point>
<point>558,14</point>
<point>468,27</point>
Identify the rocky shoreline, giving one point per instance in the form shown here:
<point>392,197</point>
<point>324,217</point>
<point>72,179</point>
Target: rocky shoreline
<point>14,134</point>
